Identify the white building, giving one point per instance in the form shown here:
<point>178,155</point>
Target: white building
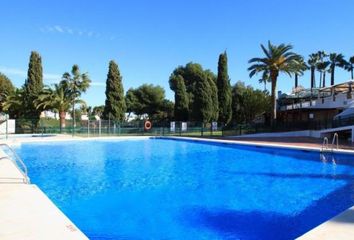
<point>54,115</point>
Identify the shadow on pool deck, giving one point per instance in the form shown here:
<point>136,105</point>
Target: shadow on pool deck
<point>349,217</point>
<point>233,224</point>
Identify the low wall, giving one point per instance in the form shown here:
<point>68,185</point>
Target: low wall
<point>11,125</point>
<point>305,133</point>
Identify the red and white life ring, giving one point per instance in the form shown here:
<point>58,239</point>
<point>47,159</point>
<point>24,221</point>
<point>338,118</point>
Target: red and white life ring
<point>147,125</point>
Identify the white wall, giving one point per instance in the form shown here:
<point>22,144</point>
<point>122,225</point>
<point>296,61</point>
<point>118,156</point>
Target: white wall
<point>341,101</point>
<point>11,126</point>
<point>305,133</point>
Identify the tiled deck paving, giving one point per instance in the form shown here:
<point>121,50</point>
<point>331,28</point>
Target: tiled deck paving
<point>27,213</point>
<point>291,141</point>
<point>340,227</point>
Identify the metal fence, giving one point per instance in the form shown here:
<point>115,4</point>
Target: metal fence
<point>101,128</point>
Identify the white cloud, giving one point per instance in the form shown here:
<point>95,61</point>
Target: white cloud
<point>59,29</point>
<point>75,32</point>
<point>70,31</point>
<point>48,78</point>
<point>50,29</point>
<point>13,71</point>
<point>52,77</point>
<point>98,84</point>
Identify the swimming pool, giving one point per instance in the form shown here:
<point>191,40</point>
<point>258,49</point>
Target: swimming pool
<point>167,189</point>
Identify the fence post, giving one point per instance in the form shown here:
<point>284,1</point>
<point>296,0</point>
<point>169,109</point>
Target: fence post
<point>88,128</point>
<point>99,128</point>
<point>109,124</point>
<point>7,127</point>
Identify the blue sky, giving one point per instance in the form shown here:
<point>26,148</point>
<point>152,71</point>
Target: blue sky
<point>148,39</point>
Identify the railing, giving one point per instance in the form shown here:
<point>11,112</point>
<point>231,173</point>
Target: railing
<point>324,144</point>
<point>102,128</point>
<point>335,140</point>
<point>23,171</point>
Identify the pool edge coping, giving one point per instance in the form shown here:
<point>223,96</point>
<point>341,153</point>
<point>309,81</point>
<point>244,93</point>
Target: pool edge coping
<point>195,139</point>
<point>52,214</point>
<point>257,144</point>
<point>323,231</point>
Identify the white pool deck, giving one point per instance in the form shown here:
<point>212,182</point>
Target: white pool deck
<point>339,227</point>
<point>27,213</point>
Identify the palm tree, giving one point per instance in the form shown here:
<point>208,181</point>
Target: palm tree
<point>278,59</point>
<point>312,63</point>
<point>58,99</point>
<point>302,66</point>
<point>336,60</point>
<point>349,66</point>
<point>322,67</point>
<point>264,79</point>
<point>14,103</point>
<point>77,83</point>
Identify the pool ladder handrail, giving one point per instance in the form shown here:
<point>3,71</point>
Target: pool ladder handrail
<point>324,144</point>
<point>24,172</point>
<point>335,140</point>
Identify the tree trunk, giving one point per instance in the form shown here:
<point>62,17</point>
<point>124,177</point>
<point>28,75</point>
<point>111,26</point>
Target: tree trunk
<point>62,120</point>
<point>296,80</point>
<point>332,76</point>
<point>73,116</point>
<point>312,77</point>
<point>324,80</point>
<point>274,76</point>
<point>351,73</point>
<point>321,74</point>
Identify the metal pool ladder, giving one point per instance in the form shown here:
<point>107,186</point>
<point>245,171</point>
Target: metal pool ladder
<point>335,140</point>
<point>324,144</point>
<point>17,160</point>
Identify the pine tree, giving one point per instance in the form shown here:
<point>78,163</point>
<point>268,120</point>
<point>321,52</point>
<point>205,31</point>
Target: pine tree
<point>115,106</point>
<point>33,86</point>
<point>224,90</point>
<point>181,100</point>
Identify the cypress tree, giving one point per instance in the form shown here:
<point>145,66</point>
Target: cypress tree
<point>181,100</point>
<point>115,106</point>
<point>203,103</point>
<point>224,90</point>
<point>33,86</point>
<point>214,94</point>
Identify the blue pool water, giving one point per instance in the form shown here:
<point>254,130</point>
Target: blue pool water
<point>167,189</point>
